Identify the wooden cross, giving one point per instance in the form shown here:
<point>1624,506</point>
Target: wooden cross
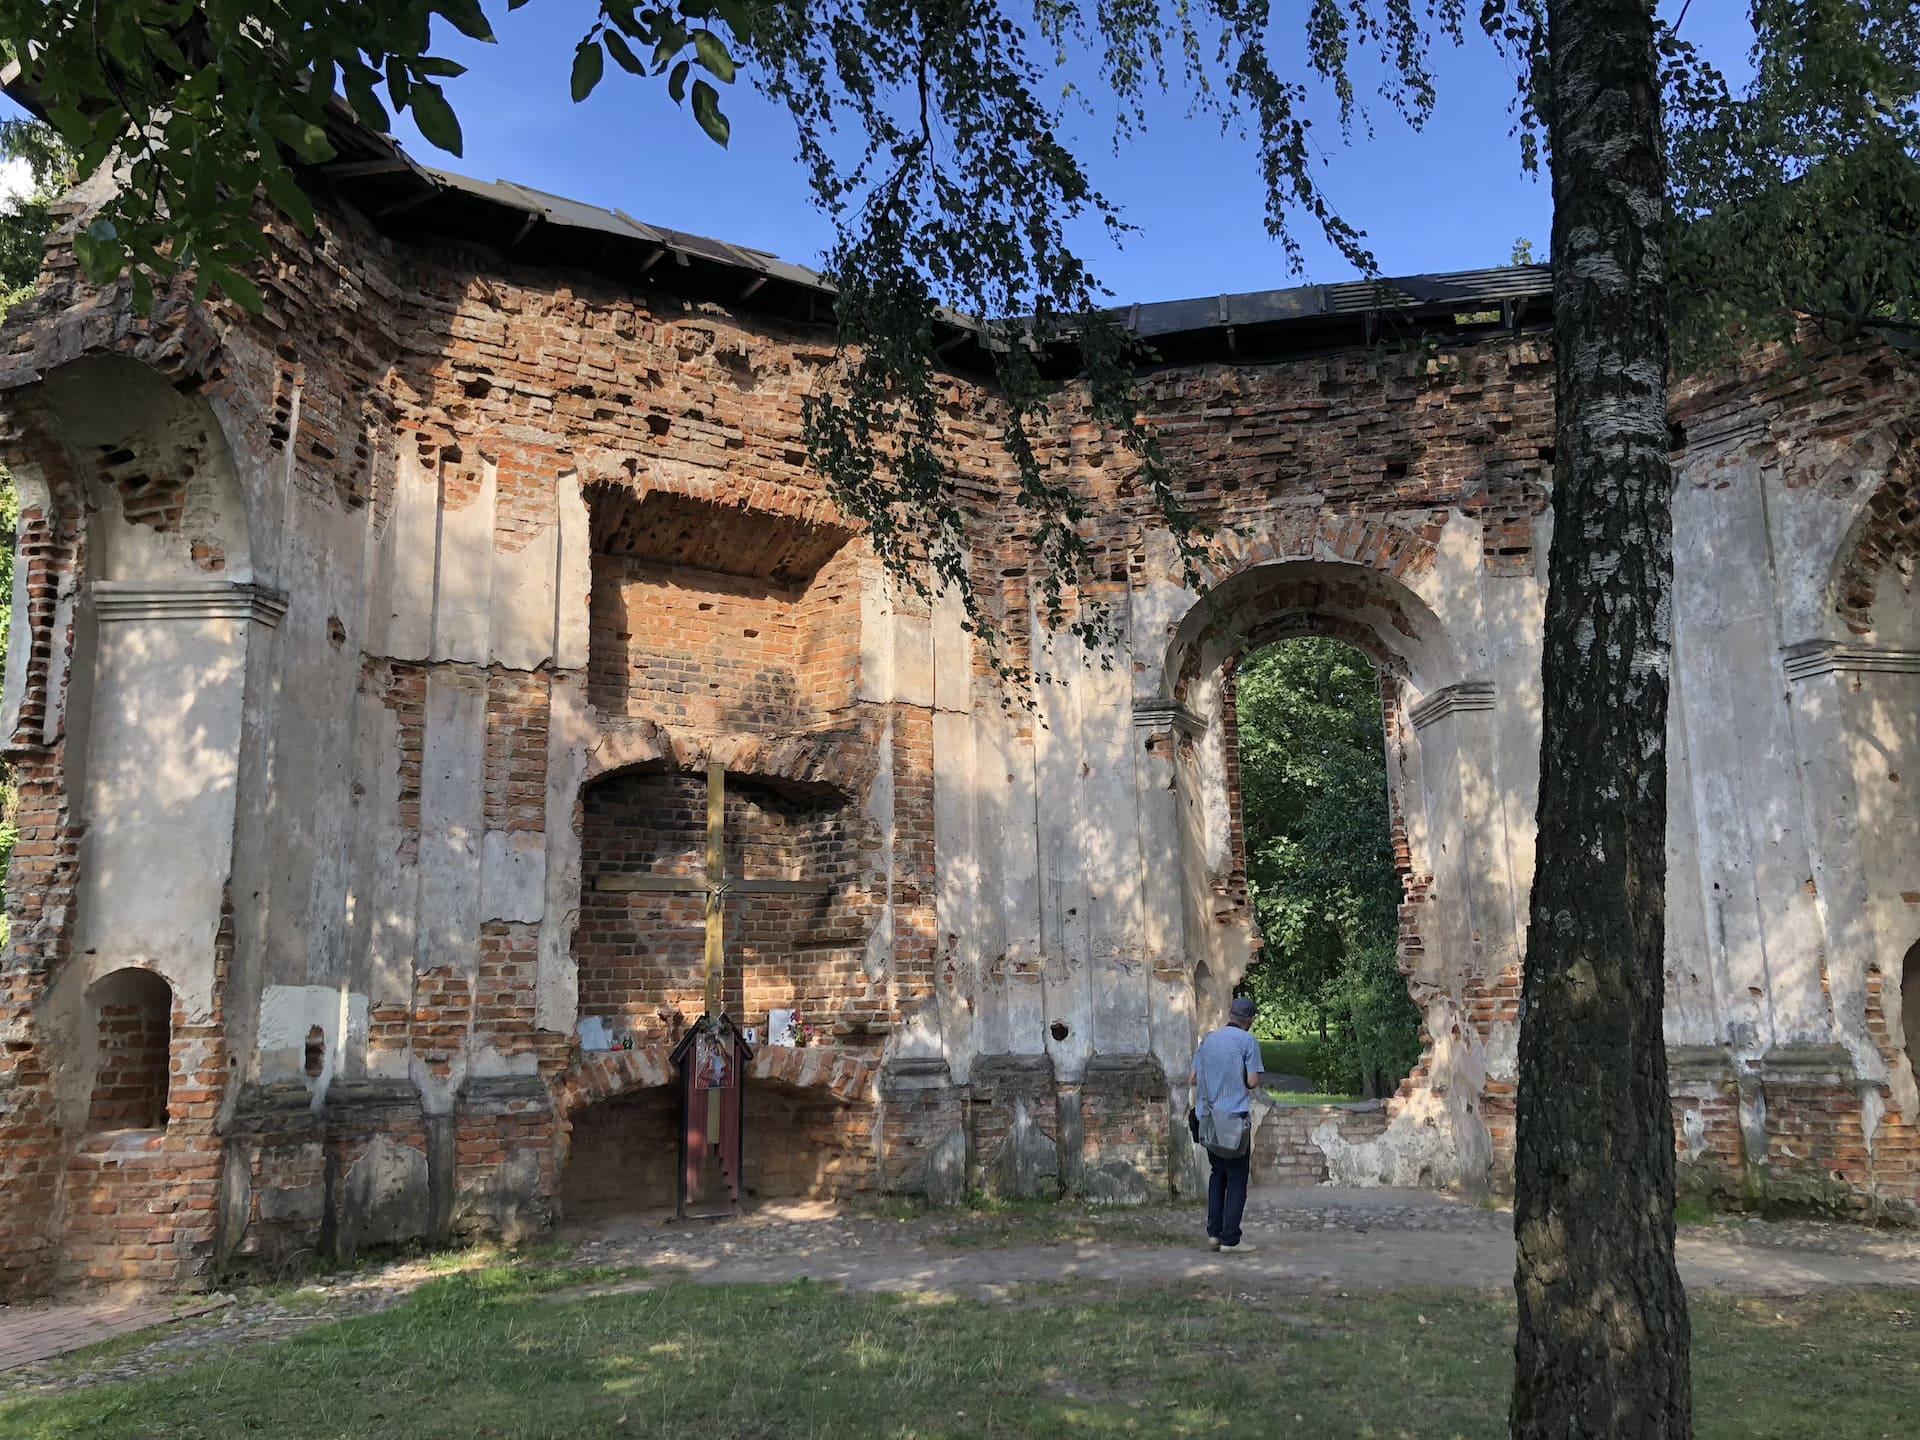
<point>713,884</point>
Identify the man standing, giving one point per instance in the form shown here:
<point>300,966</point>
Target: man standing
<point>1226,1072</point>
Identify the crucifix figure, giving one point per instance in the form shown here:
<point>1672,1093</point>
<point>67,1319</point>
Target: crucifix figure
<point>712,1055</point>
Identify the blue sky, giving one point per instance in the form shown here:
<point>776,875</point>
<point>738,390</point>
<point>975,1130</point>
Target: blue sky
<point>1453,197</point>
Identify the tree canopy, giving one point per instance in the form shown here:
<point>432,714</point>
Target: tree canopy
<point>931,133</point>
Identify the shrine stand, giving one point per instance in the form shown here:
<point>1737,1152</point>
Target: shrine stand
<point>712,1058</point>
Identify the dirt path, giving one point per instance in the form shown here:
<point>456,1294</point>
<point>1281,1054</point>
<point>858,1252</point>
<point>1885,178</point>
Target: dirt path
<point>1343,1239</point>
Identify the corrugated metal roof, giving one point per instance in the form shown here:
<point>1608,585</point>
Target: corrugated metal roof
<point>1465,290</point>
<point>578,215</point>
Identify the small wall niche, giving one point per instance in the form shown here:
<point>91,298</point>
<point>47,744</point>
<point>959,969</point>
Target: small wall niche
<point>133,1014</point>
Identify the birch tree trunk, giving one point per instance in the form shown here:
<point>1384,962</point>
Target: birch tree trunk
<point>1603,1339</point>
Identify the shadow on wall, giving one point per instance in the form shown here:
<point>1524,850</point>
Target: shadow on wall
<point>624,1153</point>
<point>641,951</point>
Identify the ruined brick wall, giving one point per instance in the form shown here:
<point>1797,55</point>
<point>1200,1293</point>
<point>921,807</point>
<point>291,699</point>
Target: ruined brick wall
<point>533,538</point>
<point>1285,1155</point>
<point>803,1143</point>
<point>623,1156</point>
<point>1125,1137</point>
<point>1386,434</point>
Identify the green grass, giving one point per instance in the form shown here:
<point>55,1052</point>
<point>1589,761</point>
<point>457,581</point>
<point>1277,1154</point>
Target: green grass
<point>1295,1056</point>
<point>1308,1097</point>
<point>1692,1210</point>
<point>1289,1057</point>
<point>480,1354</point>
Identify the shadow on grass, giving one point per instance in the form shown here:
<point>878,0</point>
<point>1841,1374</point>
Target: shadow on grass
<point>482,1353</point>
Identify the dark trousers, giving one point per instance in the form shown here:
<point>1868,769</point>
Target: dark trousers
<point>1227,1197</point>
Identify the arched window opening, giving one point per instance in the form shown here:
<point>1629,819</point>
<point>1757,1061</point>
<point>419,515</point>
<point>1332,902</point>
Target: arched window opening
<point>1910,1005</point>
<point>133,1011</point>
<point>1316,847</point>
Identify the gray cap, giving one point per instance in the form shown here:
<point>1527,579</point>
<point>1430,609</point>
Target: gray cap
<point>1242,1008</point>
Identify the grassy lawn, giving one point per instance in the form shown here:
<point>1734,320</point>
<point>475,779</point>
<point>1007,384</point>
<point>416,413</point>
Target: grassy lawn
<point>1308,1097</point>
<point>1295,1057</point>
<point>1289,1057</point>
<point>487,1354</point>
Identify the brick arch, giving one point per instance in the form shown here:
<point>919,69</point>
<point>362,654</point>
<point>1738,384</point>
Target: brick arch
<point>1345,580</point>
<point>837,761</point>
<point>1394,548</point>
<point>1365,605</point>
<point>1305,623</point>
<point>1882,543</point>
<point>610,1074</point>
<point>108,438</point>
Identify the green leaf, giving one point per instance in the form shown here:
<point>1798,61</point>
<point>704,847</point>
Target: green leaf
<point>677,82</point>
<point>739,17</point>
<point>436,65</point>
<point>706,109</point>
<point>161,43</point>
<point>623,53</point>
<point>366,104</point>
<point>673,39</point>
<point>300,135</point>
<point>397,86</point>
<point>589,64</point>
<point>635,27</point>
<point>292,200</point>
<point>435,117</point>
<point>713,55</point>
<point>235,286</point>
<point>467,17</point>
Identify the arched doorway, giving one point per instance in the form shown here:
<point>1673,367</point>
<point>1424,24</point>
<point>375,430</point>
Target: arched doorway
<point>1458,933</point>
<point>1315,827</point>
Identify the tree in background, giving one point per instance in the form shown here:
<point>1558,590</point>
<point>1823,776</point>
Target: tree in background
<point>41,167</point>
<point>930,146</point>
<point>1326,896</point>
<point>26,219</point>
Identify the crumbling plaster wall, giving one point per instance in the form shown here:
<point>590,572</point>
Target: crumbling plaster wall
<point>322,764</point>
<point>1397,506</point>
<point>1794,839</point>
